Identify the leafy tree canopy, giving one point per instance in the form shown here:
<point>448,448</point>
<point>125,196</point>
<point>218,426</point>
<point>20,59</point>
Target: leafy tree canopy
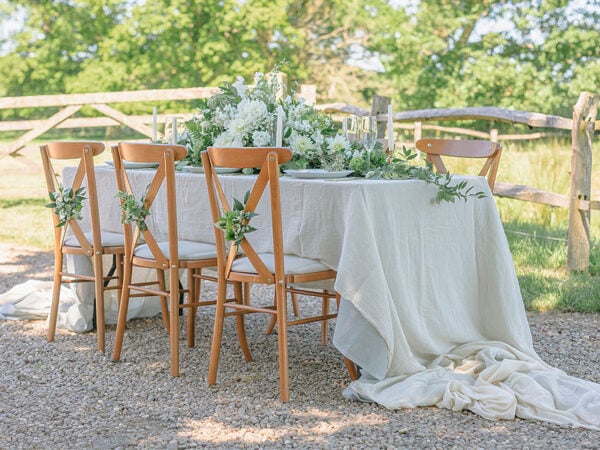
<point>535,55</point>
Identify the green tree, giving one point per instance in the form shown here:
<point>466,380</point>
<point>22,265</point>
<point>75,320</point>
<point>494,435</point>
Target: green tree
<point>533,55</point>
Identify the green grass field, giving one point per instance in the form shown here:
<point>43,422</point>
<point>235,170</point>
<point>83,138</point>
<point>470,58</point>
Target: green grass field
<point>537,234</point>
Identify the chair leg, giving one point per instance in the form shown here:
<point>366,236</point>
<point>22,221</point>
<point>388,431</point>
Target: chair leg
<point>99,290</point>
<point>215,348</point>
<point>174,320</point>
<point>119,263</point>
<point>58,263</point>
<point>164,308</point>
<point>295,304</point>
<point>246,298</point>
<point>324,323</point>
<point>273,320</point>
<point>123,307</point>
<point>282,341</point>
<point>191,313</point>
<point>352,370</point>
<point>241,328</point>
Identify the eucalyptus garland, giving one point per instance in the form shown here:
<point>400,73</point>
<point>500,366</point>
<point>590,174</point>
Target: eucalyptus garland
<point>399,168</point>
<point>236,222</point>
<point>67,204</point>
<point>133,211</point>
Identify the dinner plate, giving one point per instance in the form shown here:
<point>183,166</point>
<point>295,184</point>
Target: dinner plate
<point>317,173</point>
<point>195,169</point>
<point>135,165</point>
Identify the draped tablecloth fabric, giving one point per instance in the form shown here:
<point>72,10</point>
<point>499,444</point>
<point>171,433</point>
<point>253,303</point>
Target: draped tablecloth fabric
<point>431,309</point>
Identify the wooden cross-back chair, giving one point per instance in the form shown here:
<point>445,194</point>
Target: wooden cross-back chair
<point>165,255</point>
<point>276,268</point>
<point>71,237</point>
<point>463,148</point>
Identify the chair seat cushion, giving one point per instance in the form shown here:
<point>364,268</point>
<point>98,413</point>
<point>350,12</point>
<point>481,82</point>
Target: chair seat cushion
<point>188,250</point>
<point>294,265</point>
<point>108,239</point>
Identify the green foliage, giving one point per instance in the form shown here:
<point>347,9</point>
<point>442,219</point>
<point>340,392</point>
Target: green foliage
<point>236,222</point>
<point>67,204</point>
<point>133,211</point>
<point>525,54</point>
<point>400,168</point>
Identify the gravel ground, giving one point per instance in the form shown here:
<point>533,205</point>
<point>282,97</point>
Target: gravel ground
<point>67,395</point>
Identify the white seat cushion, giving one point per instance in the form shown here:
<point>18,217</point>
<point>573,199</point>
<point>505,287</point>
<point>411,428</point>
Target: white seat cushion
<point>108,239</point>
<point>294,265</point>
<point>188,250</point>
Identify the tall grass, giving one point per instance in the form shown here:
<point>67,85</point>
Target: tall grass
<point>536,234</point>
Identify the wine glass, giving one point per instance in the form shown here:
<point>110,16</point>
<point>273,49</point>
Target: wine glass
<point>368,132</point>
<point>350,128</point>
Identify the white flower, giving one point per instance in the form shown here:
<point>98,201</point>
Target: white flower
<point>318,138</point>
<point>261,138</point>
<point>258,76</point>
<point>227,139</point>
<point>300,143</point>
<point>240,127</point>
<point>240,87</point>
<point>252,110</point>
<point>224,115</point>
<point>338,143</point>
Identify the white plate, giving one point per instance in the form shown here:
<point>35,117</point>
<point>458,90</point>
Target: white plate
<point>317,173</point>
<point>195,169</point>
<point>135,165</point>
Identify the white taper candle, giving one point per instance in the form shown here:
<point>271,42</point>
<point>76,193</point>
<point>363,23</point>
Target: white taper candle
<point>390,129</point>
<point>154,124</point>
<point>174,131</point>
<point>279,129</point>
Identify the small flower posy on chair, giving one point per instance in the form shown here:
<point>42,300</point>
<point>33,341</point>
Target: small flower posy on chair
<point>133,211</point>
<point>236,222</point>
<point>67,204</point>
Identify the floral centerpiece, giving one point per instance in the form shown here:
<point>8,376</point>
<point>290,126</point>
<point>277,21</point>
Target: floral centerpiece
<point>246,116</point>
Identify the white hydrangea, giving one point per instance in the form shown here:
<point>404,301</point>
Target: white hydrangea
<point>227,139</point>
<point>253,110</point>
<point>261,138</point>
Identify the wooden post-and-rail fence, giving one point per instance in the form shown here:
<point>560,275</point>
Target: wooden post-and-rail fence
<point>582,126</point>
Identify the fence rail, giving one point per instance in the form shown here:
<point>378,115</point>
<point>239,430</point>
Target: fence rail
<point>581,126</point>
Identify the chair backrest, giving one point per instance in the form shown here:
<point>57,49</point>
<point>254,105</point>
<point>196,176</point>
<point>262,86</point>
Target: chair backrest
<point>268,159</point>
<point>81,154</point>
<point>462,148</point>
<point>165,156</point>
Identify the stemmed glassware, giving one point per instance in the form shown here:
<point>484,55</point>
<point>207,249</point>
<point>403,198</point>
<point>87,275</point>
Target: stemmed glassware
<point>350,128</point>
<point>368,132</point>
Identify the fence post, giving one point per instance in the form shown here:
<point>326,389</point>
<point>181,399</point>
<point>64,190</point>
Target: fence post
<point>418,132</point>
<point>494,135</point>
<point>379,105</point>
<point>584,116</point>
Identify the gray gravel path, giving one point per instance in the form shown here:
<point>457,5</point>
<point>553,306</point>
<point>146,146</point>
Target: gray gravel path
<point>66,395</point>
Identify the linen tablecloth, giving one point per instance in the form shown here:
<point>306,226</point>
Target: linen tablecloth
<point>431,309</point>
